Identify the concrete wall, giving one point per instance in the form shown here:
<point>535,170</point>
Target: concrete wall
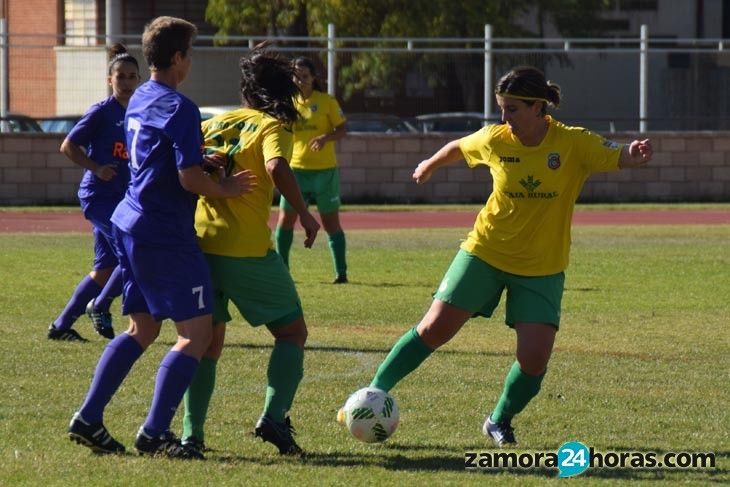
<point>377,168</point>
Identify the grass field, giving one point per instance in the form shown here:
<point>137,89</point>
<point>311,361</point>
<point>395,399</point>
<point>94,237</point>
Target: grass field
<point>641,364</point>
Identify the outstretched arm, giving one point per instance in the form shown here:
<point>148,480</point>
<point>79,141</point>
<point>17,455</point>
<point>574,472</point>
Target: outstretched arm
<point>448,154</point>
<point>637,153</point>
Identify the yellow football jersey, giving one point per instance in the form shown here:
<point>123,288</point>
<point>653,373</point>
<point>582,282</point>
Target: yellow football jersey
<point>239,227</point>
<point>524,228</point>
<point>320,114</point>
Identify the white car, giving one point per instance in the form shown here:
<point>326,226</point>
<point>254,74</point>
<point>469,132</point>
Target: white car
<point>211,111</point>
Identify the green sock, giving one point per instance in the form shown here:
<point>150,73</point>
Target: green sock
<point>284,238</point>
<point>405,357</point>
<point>197,399</point>
<point>337,247</point>
<point>519,389</point>
<point>286,369</point>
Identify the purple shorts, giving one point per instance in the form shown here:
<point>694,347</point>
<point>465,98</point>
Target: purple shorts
<point>166,282</point>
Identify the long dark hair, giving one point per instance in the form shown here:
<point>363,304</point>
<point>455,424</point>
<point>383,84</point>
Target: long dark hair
<point>305,62</point>
<point>529,84</point>
<point>267,84</point>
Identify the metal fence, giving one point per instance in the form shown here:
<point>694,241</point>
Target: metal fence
<point>611,84</point>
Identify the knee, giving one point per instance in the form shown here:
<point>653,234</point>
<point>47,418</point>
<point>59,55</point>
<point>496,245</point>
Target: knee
<point>300,336</point>
<point>100,276</point>
<point>432,336</point>
<point>296,335</point>
<point>145,337</point>
<point>215,349</point>
<point>533,364</point>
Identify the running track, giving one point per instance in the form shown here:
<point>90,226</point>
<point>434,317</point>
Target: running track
<point>73,221</point>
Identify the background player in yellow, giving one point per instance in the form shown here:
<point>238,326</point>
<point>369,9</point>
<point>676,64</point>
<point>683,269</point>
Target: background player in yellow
<point>520,240</point>
<point>236,241</point>
<point>315,165</point>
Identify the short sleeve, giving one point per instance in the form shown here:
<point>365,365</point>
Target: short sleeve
<point>335,114</point>
<point>278,142</point>
<point>83,132</point>
<point>475,147</point>
<point>184,132</point>
<point>598,154</point>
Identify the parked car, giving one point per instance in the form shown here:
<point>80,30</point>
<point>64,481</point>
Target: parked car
<point>61,124</point>
<point>454,121</point>
<point>17,122</point>
<point>213,110</point>
<point>378,122</point>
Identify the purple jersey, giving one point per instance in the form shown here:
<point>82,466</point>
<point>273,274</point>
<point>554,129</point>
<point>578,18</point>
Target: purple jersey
<point>101,132</point>
<point>163,137</point>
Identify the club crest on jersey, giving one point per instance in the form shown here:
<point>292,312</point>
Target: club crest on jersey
<point>313,107</point>
<point>553,160</point>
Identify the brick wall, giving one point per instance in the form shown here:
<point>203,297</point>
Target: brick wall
<point>32,70</point>
<point>377,168</point>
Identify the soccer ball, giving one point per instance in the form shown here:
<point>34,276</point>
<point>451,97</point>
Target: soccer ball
<point>371,415</point>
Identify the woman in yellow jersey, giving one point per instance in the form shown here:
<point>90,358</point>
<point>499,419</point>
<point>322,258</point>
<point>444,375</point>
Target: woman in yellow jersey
<point>520,240</point>
<point>235,238</point>
<point>315,165</point>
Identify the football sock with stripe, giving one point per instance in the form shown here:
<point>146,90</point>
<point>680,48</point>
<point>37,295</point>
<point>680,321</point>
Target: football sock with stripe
<point>405,357</point>
<point>197,399</point>
<point>284,238</point>
<point>519,389</point>
<point>85,291</point>
<point>173,378</point>
<point>112,289</point>
<point>286,369</point>
<point>114,364</point>
<point>337,244</point>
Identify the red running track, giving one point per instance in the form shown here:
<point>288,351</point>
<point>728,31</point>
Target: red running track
<point>73,221</point>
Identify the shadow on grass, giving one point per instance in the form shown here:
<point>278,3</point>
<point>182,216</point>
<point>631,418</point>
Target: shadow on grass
<point>338,349</point>
<point>378,284</point>
<point>392,459</point>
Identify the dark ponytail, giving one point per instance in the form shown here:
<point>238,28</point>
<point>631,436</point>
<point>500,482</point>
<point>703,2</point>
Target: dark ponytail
<point>118,54</point>
<point>528,84</point>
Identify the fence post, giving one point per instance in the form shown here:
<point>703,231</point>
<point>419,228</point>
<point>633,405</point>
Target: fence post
<point>331,59</point>
<point>488,90</point>
<point>113,10</point>
<point>643,77</point>
<point>4,76</point>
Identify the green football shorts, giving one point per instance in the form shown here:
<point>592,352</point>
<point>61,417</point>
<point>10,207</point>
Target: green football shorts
<point>473,285</point>
<point>317,186</point>
<point>260,287</point>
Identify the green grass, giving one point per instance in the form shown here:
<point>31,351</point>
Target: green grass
<point>640,365</point>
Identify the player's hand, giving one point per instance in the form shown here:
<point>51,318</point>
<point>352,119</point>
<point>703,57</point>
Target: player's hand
<point>106,172</point>
<point>311,227</point>
<point>214,162</point>
<point>239,183</point>
<point>641,151</point>
<point>422,172</point>
<point>317,143</point>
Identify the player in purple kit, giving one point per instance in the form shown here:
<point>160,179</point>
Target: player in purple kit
<point>164,272</point>
<point>97,143</point>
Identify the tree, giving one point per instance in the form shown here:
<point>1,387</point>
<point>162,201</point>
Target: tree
<point>457,75</point>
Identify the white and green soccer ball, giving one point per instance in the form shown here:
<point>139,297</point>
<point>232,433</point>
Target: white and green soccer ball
<point>371,415</point>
